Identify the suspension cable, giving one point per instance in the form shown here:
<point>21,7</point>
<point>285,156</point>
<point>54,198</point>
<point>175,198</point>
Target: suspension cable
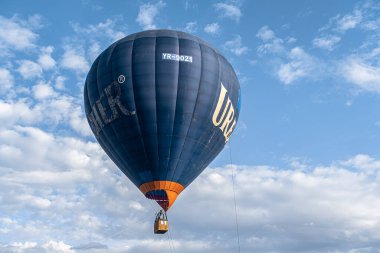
<point>233,189</point>
<point>171,242</point>
<point>150,201</point>
<point>170,245</point>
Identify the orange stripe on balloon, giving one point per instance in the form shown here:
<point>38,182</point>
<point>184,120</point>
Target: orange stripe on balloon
<point>172,189</point>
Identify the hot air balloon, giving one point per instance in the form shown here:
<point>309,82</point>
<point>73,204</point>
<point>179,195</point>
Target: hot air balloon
<point>162,104</point>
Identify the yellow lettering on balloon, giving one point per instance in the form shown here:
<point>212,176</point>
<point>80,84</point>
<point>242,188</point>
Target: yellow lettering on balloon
<point>222,95</point>
<point>228,119</point>
<point>226,123</point>
<point>228,133</point>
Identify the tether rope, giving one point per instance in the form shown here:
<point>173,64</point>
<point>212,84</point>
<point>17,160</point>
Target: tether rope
<point>233,188</point>
<point>171,240</point>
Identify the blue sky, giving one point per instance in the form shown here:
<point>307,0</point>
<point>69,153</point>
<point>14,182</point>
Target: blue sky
<point>305,151</point>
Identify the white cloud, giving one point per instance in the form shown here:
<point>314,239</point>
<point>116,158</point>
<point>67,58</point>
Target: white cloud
<point>191,27</point>
<point>291,40</point>
<point>17,111</point>
<point>276,208</point>
<point>57,247</point>
<point>265,34</point>
<point>147,14</point>
<point>108,28</point>
<point>43,91</point>
<point>87,43</point>
<point>212,28</point>
<point>327,42</point>
<point>49,162</point>
<point>29,69</point>
<point>91,246</point>
<point>363,162</point>
<point>52,175</point>
<point>67,110</point>
<point>43,105</point>
<point>50,246</point>
<point>21,246</point>
<point>364,75</point>
<point>340,24</point>
<point>229,10</point>
<point>349,21</point>
<point>60,82</point>
<point>190,4</point>
<point>6,80</point>
<point>74,59</point>
<point>15,34</point>
<point>136,206</point>
<point>45,59</point>
<point>34,201</point>
<point>300,65</point>
<point>34,21</point>
<point>235,46</point>
<point>371,24</point>
<point>94,51</point>
<point>359,65</point>
<point>271,43</point>
<point>288,64</point>
<point>269,206</point>
<point>78,122</point>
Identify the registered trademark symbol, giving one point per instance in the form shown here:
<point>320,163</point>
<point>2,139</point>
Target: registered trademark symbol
<point>121,79</point>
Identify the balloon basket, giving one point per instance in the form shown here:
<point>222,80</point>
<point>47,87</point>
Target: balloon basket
<point>161,224</point>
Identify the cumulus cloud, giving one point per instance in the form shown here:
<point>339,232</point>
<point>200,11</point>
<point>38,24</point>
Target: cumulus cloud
<point>277,209</point>
<point>349,21</point>
<point>265,34</point>
<point>29,69</point>
<point>212,28</point>
<point>327,42</point>
<point>44,105</point>
<point>45,59</point>
<point>74,59</point>
<point>365,75</point>
<point>45,175</point>
<point>228,10</point>
<point>108,28</point>
<point>50,246</point>
<point>332,33</point>
<point>57,246</point>
<point>289,63</point>
<point>191,27</point>
<point>6,80</point>
<point>88,41</point>
<point>78,122</point>
<point>147,14</point>
<point>43,91</point>
<point>363,162</point>
<point>269,207</point>
<point>60,82</point>
<point>17,111</point>
<point>271,44</point>
<point>90,246</point>
<point>235,46</point>
<point>16,34</point>
<point>301,64</point>
<point>68,111</point>
<point>340,24</point>
<point>94,50</point>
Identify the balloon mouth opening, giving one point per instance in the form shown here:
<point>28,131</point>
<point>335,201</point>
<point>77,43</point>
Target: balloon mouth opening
<point>163,192</point>
<point>160,197</point>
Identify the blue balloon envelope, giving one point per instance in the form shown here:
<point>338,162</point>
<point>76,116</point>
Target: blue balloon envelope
<point>162,104</point>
